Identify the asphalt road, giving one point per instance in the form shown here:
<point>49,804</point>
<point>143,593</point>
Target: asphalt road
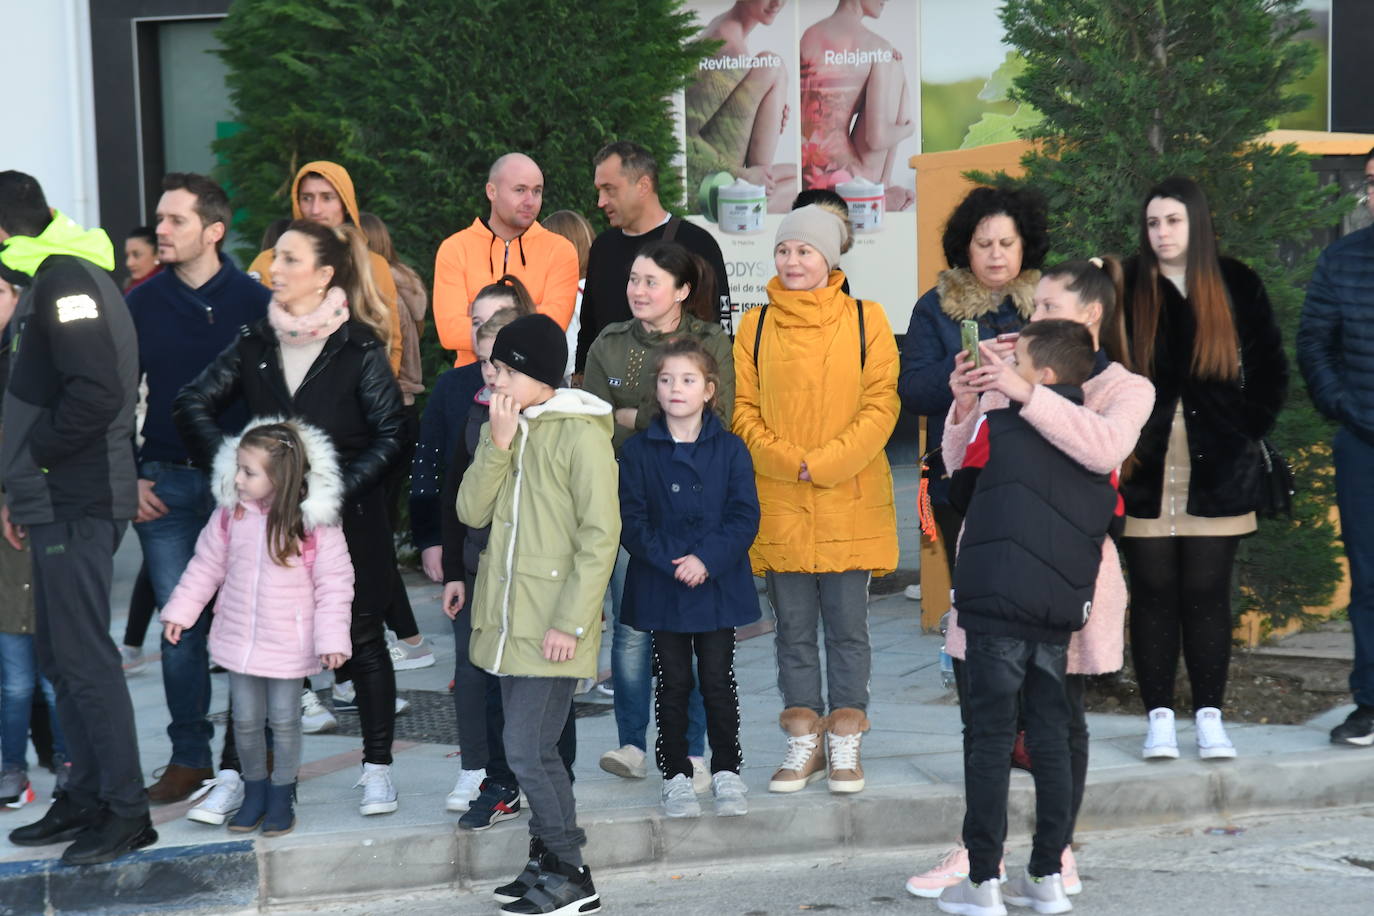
<point>1316,863</point>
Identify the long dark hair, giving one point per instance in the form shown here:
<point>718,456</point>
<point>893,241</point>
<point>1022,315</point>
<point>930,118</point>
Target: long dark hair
<point>1104,285</point>
<point>286,469</point>
<point>690,269</point>
<point>1214,344</point>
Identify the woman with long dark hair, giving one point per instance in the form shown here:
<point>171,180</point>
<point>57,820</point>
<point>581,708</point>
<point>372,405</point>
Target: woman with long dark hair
<point>1202,330</point>
<point>321,356</point>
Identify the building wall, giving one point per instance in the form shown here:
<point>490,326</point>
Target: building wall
<point>49,113</point>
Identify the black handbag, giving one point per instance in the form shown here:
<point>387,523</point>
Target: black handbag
<point>1273,486</point>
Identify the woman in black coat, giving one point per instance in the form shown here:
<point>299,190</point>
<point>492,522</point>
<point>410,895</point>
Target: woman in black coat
<point>1203,331</point>
<point>320,356</point>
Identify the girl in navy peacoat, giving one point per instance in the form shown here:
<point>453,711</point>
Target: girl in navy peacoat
<point>689,513</point>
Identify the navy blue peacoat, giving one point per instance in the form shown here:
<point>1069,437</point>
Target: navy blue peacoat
<point>692,498</point>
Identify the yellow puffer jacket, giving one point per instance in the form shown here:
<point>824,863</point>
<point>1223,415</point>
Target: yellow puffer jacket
<point>815,404</point>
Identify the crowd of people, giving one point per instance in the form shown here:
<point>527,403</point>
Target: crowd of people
<point>604,454</point>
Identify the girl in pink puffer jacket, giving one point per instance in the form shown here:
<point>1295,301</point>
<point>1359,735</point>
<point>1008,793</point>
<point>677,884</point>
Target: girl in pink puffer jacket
<point>276,553</point>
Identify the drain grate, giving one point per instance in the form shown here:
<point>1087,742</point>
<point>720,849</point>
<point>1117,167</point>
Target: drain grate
<point>429,720</point>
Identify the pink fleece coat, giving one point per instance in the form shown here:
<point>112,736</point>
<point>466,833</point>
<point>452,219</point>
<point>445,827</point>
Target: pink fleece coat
<point>271,620</point>
<point>1099,435</point>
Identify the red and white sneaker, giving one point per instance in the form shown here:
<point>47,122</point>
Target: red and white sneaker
<point>15,789</point>
<point>952,869</point>
<point>1068,871</point>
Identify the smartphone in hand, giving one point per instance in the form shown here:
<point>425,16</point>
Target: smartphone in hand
<point>968,332</point>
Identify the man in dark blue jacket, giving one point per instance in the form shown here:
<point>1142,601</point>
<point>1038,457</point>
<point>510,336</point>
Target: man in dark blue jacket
<point>68,471</point>
<point>185,317</point>
<point>1336,355</point>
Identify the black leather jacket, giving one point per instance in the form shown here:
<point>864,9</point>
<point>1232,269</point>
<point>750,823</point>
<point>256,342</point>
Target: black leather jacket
<point>349,392</point>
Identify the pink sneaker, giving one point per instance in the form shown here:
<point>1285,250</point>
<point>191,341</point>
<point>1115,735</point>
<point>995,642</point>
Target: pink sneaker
<point>952,869</point>
<point>1068,871</point>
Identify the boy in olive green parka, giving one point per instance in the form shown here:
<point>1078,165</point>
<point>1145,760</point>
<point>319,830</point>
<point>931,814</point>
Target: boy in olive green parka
<point>544,478</point>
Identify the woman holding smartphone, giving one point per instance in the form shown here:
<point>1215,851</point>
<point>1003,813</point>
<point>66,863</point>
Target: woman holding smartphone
<point>995,242</point>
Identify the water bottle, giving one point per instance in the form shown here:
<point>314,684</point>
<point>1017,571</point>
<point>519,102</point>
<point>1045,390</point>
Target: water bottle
<point>946,660</point>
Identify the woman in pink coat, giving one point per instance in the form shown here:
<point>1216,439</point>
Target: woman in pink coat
<point>1100,435</point>
<point>275,552</point>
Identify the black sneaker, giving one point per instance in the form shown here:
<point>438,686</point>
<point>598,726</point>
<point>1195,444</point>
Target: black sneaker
<point>509,893</point>
<point>494,803</point>
<point>560,890</point>
<point>64,820</point>
<point>111,837</point>
<point>1357,729</point>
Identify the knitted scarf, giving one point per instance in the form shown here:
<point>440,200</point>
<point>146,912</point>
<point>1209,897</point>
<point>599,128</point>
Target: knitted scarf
<point>301,330</point>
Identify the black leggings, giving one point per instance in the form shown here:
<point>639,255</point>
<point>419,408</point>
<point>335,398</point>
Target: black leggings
<point>714,652</point>
<point>1181,596</point>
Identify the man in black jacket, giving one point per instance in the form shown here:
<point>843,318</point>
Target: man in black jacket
<point>626,180</point>
<point>1336,355</point>
<point>67,465</point>
<point>1023,582</point>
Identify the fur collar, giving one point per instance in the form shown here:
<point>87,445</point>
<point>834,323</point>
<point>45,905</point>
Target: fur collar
<point>962,296</point>
<point>324,483</point>
<point>570,401</point>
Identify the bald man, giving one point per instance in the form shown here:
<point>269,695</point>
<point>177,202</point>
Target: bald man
<point>509,241</point>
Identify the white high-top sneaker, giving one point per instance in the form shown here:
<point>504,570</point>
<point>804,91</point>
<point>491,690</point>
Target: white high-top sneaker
<point>1212,743</point>
<point>1162,741</point>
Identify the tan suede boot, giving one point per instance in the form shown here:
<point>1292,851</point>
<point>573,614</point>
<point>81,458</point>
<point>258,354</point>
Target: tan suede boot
<point>844,733</point>
<point>805,760</point>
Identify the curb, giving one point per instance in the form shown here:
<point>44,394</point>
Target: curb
<point>314,869</point>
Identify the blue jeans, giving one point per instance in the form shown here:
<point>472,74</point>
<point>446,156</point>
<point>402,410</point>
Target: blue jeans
<point>632,661</point>
<point>1355,498</point>
<point>18,671</point>
<point>168,545</point>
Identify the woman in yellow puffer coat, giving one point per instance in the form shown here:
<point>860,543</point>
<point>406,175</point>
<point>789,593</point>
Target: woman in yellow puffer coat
<point>816,401</point>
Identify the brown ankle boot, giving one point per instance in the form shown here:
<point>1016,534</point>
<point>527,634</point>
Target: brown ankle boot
<point>805,760</point>
<point>177,783</point>
<point>844,733</point>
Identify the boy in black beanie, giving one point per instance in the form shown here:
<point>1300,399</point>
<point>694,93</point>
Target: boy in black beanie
<point>544,478</point>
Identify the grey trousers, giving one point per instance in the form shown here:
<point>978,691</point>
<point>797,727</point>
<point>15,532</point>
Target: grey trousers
<point>73,563</point>
<point>277,702</point>
<point>536,710</point>
<point>839,602</point>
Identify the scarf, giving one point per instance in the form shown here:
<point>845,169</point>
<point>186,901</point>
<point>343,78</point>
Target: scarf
<point>301,330</point>
<point>26,253</point>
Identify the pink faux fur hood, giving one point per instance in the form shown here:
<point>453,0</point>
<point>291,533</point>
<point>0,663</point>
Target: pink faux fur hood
<point>1099,435</point>
<point>271,620</point>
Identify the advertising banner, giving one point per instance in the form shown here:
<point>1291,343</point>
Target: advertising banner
<point>807,94</point>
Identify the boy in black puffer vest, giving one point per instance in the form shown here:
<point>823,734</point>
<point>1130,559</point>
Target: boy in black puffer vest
<point>1023,582</point>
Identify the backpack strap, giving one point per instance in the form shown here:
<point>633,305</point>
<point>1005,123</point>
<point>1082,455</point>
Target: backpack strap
<point>863,337</point>
<point>758,335</point>
<point>670,228</point>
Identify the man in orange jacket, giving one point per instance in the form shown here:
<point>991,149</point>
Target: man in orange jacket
<point>323,193</point>
<point>509,241</point>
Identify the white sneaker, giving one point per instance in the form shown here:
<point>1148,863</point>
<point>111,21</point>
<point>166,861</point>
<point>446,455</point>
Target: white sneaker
<point>627,761</point>
<point>1162,741</point>
<point>402,705</point>
<point>1212,743</point>
<point>912,592</point>
<point>679,798</point>
<point>701,776</point>
<point>729,791</point>
<point>379,795</point>
<point>969,899</point>
<point>314,717</point>
<point>405,657</point>
<point>465,790</point>
<point>222,796</point>
<point>1044,895</point>
<point>131,659</point>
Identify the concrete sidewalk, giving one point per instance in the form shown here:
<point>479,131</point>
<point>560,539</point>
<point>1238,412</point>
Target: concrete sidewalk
<point>912,761</point>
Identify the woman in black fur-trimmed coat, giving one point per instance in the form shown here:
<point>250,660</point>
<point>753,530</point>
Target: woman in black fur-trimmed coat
<point>1203,331</point>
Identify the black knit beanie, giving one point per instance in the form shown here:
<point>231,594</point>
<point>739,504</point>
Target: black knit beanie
<point>534,345</point>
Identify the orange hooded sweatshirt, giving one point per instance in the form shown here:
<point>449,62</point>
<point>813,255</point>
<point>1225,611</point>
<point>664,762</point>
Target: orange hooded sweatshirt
<point>338,176</point>
<point>468,260</point>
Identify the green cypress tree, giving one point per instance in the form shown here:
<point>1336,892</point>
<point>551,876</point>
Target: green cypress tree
<point>1133,91</point>
<point>416,98</point>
